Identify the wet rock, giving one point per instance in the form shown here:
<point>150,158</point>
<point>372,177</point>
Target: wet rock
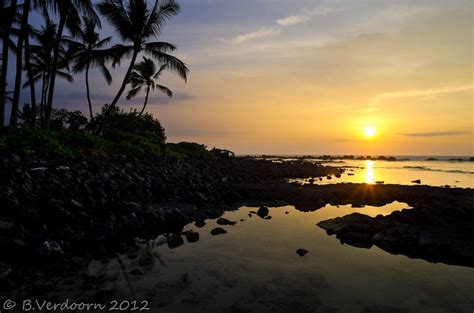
<point>174,240</point>
<point>301,252</point>
<point>6,227</point>
<point>39,169</point>
<point>76,204</point>
<point>218,231</point>
<point>51,249</point>
<point>146,259</point>
<point>200,223</point>
<point>224,221</point>
<point>14,158</point>
<point>268,217</point>
<point>137,272</point>
<point>192,236</point>
<point>416,181</point>
<point>263,211</point>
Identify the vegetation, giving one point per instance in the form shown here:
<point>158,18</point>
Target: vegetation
<point>145,75</point>
<point>73,41</point>
<point>131,134</point>
<point>69,42</point>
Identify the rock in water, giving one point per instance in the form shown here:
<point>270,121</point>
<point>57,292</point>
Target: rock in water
<point>301,252</point>
<point>200,223</point>
<point>192,236</point>
<point>416,181</point>
<point>174,240</point>
<point>224,221</point>
<point>218,231</point>
<point>263,211</point>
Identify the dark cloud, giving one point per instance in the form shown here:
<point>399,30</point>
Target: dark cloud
<point>186,132</point>
<point>73,99</point>
<point>435,134</point>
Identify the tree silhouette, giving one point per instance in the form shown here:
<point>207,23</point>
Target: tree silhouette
<point>87,52</point>
<point>41,60</point>
<point>145,74</point>
<point>69,17</point>
<point>136,23</point>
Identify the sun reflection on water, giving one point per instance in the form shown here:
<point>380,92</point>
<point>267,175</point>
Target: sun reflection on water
<point>369,171</point>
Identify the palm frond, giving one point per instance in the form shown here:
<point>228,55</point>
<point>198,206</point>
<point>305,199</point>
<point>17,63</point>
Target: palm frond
<point>133,92</point>
<point>165,90</point>
<point>175,64</point>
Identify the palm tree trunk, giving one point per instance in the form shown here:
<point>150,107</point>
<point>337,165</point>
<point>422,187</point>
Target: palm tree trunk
<point>52,81</point>
<point>146,99</point>
<point>120,92</point>
<point>3,78</point>
<point>30,79</point>
<point>44,91</point>
<point>88,92</point>
<point>19,63</point>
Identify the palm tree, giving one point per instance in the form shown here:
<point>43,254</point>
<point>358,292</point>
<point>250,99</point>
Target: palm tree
<point>145,75</point>
<point>136,23</point>
<point>87,52</point>
<point>41,60</point>
<point>30,75</point>
<point>69,17</point>
<point>7,14</point>
<point>19,62</point>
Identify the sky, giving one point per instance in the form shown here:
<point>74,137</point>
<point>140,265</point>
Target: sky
<point>310,76</point>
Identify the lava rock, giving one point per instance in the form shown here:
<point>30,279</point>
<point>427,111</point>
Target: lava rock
<point>200,223</point>
<point>263,211</point>
<point>218,231</point>
<point>224,221</point>
<point>301,252</point>
<point>192,236</point>
<point>174,240</point>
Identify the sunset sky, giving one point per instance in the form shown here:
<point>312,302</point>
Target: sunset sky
<point>307,77</point>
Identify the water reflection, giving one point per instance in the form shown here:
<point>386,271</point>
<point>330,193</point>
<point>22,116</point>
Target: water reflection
<point>369,172</point>
<point>254,267</point>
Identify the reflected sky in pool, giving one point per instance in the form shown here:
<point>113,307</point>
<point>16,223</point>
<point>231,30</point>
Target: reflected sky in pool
<point>254,268</point>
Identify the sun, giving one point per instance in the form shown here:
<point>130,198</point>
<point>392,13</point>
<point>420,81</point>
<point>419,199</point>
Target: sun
<point>369,131</point>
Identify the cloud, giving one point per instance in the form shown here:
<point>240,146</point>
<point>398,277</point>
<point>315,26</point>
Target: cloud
<point>435,134</point>
<point>305,17</point>
<point>293,20</point>
<point>420,92</point>
<point>261,33</point>
<point>319,11</point>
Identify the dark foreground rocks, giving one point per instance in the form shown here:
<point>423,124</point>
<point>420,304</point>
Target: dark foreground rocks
<point>58,209</point>
<point>57,214</point>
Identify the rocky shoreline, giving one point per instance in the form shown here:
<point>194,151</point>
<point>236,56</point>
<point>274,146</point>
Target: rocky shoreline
<point>55,209</point>
<point>57,215</point>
